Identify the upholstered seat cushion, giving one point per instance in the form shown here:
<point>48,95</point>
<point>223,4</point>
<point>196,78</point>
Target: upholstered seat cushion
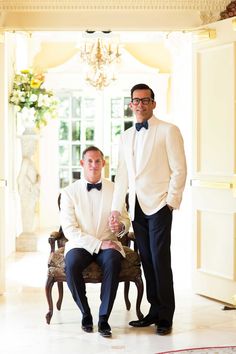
<point>130,266</point>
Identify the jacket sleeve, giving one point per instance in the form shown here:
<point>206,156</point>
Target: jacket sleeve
<point>121,181</point>
<point>125,220</point>
<point>177,162</point>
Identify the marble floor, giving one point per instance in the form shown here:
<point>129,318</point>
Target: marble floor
<point>198,321</point>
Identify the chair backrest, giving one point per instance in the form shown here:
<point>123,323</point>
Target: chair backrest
<point>62,239</point>
<point>59,201</point>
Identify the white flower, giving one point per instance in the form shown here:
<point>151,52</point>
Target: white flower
<point>17,96</point>
<point>44,100</point>
<point>18,108</point>
<point>33,98</point>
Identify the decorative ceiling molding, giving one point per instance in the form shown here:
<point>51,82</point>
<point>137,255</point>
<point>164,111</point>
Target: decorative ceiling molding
<point>209,17</point>
<point>115,5</point>
<point>133,15</point>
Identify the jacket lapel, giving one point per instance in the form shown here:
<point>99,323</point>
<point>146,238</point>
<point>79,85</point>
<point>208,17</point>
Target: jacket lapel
<point>85,211</point>
<point>129,148</point>
<point>147,150</point>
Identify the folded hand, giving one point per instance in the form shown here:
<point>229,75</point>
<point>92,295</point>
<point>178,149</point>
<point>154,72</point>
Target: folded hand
<point>106,244</point>
<point>114,222</point>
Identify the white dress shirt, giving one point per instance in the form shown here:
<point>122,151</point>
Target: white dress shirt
<point>95,197</point>
<point>140,139</point>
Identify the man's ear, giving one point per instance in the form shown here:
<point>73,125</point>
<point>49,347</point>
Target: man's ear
<point>82,163</point>
<point>103,163</point>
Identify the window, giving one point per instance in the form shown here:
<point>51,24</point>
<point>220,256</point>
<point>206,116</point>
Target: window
<point>83,120</point>
<point>76,132</point>
<point>121,119</point>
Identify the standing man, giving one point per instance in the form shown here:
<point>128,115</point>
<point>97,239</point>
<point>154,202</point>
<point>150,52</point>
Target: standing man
<point>85,210</point>
<point>152,166</point>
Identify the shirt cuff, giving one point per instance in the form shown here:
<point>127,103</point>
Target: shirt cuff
<point>97,249</point>
<point>122,231</point>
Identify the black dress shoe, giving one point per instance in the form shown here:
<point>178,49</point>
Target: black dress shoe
<point>104,329</point>
<point>87,323</point>
<point>144,322</point>
<point>164,327</point>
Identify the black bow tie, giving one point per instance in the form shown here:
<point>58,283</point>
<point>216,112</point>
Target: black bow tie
<point>139,126</point>
<point>90,186</point>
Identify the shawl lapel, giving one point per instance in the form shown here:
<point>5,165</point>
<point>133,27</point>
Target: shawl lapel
<point>129,148</point>
<point>146,152</point>
<point>85,211</point>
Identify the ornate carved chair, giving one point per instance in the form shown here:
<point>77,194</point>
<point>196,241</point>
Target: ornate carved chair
<point>130,271</point>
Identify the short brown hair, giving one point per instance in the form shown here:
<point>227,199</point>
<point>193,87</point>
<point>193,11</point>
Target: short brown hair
<point>142,87</point>
<point>92,148</point>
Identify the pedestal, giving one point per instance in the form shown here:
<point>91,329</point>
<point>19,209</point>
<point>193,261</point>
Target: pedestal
<point>27,242</point>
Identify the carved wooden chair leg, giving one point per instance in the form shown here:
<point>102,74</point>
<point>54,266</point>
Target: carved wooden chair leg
<point>139,285</point>
<point>48,290</point>
<point>60,292</point>
<point>126,295</point>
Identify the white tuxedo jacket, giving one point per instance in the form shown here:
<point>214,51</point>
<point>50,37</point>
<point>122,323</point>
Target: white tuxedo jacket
<point>76,217</point>
<point>161,177</point>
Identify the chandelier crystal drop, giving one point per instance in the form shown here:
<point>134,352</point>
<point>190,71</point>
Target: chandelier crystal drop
<point>101,57</point>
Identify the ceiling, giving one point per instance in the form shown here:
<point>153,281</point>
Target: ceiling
<point>109,14</point>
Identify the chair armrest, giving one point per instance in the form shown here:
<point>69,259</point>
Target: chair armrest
<point>131,236</point>
<point>57,238</point>
<point>55,235</point>
<point>52,240</point>
<point>127,238</point>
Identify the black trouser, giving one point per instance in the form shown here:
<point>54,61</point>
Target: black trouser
<point>76,260</point>
<point>153,236</point>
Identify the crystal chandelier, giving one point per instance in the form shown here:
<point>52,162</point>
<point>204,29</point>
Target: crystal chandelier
<point>101,57</point>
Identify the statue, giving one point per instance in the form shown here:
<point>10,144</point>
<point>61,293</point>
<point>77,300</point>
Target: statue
<point>28,183</point>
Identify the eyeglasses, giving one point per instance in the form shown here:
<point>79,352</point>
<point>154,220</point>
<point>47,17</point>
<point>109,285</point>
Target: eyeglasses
<point>145,101</point>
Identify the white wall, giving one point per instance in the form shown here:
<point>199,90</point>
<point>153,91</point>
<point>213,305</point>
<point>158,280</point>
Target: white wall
<point>3,189</point>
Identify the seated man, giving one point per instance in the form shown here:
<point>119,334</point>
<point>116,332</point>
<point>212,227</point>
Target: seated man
<point>85,209</point>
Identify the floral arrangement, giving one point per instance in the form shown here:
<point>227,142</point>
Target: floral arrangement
<point>36,104</point>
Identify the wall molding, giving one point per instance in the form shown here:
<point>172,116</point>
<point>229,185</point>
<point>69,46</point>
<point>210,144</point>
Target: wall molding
<point>85,5</point>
